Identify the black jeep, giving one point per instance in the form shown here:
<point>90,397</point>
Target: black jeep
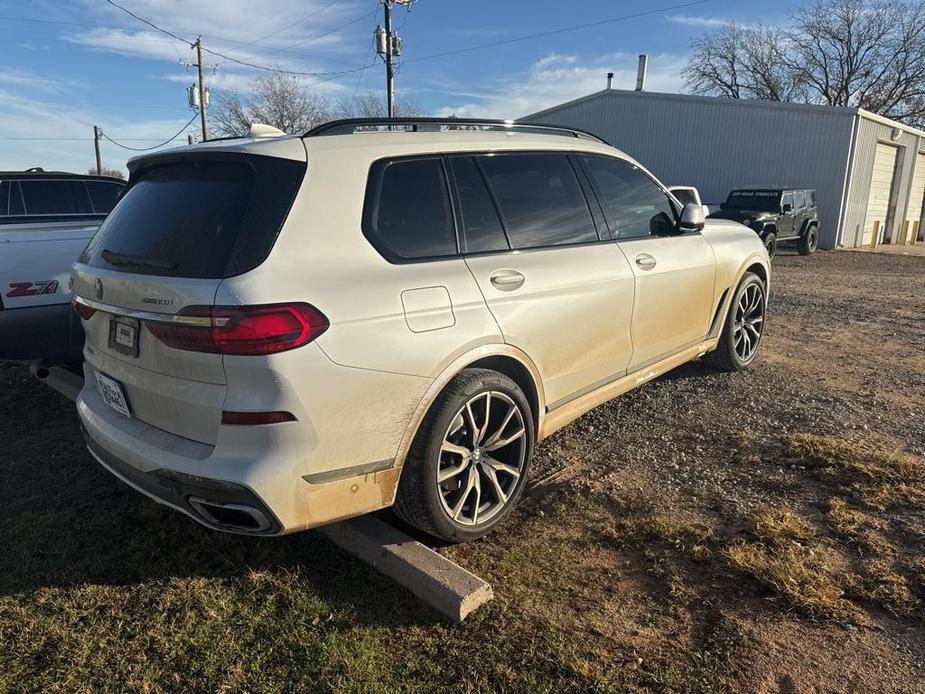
<point>782,214</point>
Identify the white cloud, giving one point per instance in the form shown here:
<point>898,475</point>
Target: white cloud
<point>699,22</point>
<point>29,120</point>
<point>327,41</point>
<point>556,79</point>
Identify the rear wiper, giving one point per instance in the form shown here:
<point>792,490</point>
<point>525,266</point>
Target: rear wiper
<point>124,260</point>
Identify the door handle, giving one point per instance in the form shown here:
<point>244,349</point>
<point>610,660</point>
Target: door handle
<point>507,280</point>
<point>645,261</point>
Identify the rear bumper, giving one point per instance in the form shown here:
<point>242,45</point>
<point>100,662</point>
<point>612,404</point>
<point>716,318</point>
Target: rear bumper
<point>262,480</point>
<point>42,333</point>
<point>217,504</point>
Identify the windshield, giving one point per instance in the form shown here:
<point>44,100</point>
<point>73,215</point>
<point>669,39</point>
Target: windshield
<point>206,219</point>
<point>764,200</point>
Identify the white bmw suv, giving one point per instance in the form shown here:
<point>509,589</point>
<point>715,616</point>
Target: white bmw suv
<point>285,332</point>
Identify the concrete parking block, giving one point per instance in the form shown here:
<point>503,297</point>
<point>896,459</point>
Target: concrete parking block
<point>447,587</point>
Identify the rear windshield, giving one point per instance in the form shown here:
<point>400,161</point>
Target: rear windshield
<point>766,200</point>
<point>204,218</point>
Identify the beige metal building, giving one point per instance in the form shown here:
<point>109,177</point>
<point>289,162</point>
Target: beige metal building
<point>868,171</point>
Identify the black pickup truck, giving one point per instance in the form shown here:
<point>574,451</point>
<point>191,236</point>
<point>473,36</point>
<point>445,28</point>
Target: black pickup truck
<point>776,214</point>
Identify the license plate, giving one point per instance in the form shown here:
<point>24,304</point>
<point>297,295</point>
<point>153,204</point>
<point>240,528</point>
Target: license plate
<point>113,394</point>
<point>123,335</point>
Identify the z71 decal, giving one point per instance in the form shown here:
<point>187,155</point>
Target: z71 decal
<point>20,289</point>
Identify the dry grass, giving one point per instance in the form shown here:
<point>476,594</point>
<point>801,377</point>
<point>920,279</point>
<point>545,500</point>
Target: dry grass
<point>781,525</point>
<point>877,475</point>
<point>776,553</point>
<point>881,585</point>
<point>793,573</point>
<point>842,519</point>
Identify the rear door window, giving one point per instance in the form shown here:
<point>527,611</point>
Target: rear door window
<point>540,199</point>
<point>61,197</point>
<point>799,199</point>
<point>633,203</point>
<point>482,229</point>
<point>209,218</point>
<point>407,214</point>
<point>103,195</point>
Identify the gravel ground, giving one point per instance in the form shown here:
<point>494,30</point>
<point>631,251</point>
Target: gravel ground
<point>842,358</point>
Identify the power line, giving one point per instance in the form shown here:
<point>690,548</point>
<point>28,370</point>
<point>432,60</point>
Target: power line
<point>88,25</point>
<point>553,32</point>
<point>150,24</point>
<point>146,149</point>
<point>318,36</point>
<point>288,26</point>
<point>266,68</point>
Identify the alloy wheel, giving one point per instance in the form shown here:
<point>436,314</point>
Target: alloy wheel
<point>749,322</point>
<point>482,458</point>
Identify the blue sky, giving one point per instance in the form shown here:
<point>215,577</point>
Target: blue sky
<point>83,62</point>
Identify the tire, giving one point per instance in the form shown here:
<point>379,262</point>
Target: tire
<point>729,354</point>
<point>468,504</point>
<point>809,241</point>
<point>770,244</point>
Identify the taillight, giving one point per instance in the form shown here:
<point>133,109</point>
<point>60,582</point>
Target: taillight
<point>255,418</point>
<point>242,330</point>
<point>81,309</point>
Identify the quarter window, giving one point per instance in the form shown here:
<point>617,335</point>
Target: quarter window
<point>16,207</point>
<point>103,195</point>
<point>482,227</point>
<point>633,203</point>
<point>799,200</point>
<point>55,197</point>
<point>540,199</point>
<point>408,214</point>
<point>4,198</point>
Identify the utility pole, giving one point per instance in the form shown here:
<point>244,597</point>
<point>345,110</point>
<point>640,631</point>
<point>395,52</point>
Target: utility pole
<point>202,90</point>
<point>96,146</point>
<point>389,65</point>
<point>388,45</point>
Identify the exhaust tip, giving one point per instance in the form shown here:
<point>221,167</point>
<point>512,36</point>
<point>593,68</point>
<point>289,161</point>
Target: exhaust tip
<point>39,371</point>
<point>231,516</point>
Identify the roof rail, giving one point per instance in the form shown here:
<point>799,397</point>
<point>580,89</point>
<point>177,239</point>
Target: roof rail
<point>350,126</point>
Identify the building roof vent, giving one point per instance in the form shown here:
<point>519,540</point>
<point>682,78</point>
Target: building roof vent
<point>641,73</point>
<point>609,81</point>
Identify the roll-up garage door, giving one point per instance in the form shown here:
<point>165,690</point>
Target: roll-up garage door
<point>913,228</point>
<point>881,188</point>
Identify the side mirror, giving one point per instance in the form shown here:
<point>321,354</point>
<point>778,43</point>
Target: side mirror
<point>788,208</point>
<point>692,218</point>
<point>722,206</point>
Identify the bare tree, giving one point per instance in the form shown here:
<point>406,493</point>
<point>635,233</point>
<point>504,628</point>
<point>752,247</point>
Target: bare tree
<point>275,99</point>
<point>867,54</point>
<point>371,105</point>
<point>741,62</point>
<point>858,53</point>
<point>115,173</point>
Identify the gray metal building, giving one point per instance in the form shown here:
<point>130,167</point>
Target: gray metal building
<point>868,171</point>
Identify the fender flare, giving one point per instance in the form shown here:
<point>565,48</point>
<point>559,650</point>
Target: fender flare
<point>449,372</point>
<point>807,224</point>
<point>750,261</point>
